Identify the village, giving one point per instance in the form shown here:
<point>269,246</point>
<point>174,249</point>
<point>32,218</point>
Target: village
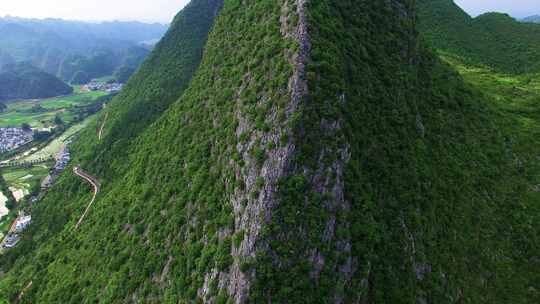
<point>13,138</point>
<point>18,227</point>
<point>105,87</point>
<point>23,220</point>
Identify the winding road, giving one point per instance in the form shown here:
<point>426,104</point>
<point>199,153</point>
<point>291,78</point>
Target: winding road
<point>25,289</point>
<point>95,184</point>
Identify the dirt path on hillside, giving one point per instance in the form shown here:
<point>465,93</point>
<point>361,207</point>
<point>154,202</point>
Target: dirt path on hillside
<point>21,294</point>
<point>100,133</point>
<point>95,184</point>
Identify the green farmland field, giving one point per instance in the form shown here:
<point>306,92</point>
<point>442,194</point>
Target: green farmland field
<point>41,113</point>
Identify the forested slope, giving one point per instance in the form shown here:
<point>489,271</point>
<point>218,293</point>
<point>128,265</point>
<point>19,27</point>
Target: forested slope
<point>23,81</point>
<point>319,154</point>
<point>493,39</point>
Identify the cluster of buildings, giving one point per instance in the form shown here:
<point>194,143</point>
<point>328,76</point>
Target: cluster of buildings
<point>106,87</point>
<point>62,159</point>
<point>14,235</point>
<point>12,138</point>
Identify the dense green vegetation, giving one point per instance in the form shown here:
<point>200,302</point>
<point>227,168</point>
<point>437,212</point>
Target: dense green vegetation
<point>23,81</point>
<point>159,82</point>
<point>4,189</point>
<point>122,74</point>
<point>80,69</point>
<point>494,39</point>
<point>428,175</point>
<point>385,179</point>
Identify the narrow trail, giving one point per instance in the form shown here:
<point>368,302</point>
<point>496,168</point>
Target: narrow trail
<point>95,184</point>
<point>21,294</point>
<point>100,133</point>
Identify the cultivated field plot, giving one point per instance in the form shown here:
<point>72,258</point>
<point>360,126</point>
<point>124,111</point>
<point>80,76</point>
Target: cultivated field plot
<point>56,145</point>
<point>26,179</point>
<point>41,113</point>
<point>81,99</point>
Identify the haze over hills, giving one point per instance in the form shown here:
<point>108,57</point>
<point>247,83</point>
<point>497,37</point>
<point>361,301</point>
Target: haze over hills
<point>281,151</point>
<point>107,30</point>
<point>65,48</point>
<point>23,81</point>
<point>534,19</point>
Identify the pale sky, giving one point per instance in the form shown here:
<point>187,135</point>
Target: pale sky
<point>164,10</point>
<point>94,10</point>
<point>516,8</point>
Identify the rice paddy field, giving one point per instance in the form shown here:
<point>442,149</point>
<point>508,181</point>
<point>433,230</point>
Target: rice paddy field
<point>56,145</point>
<point>22,181</point>
<point>41,113</point>
<point>25,179</point>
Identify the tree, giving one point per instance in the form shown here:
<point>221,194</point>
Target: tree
<point>58,120</point>
<point>123,74</point>
<point>41,136</point>
<point>81,77</point>
<point>26,127</point>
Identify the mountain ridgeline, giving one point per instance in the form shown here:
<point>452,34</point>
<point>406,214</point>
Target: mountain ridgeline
<point>76,51</point>
<point>493,39</point>
<point>280,151</point>
<point>532,19</point>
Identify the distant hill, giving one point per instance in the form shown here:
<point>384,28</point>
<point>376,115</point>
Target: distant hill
<point>116,30</point>
<point>65,48</point>
<point>24,81</point>
<point>492,39</point>
<point>5,59</point>
<point>533,19</point>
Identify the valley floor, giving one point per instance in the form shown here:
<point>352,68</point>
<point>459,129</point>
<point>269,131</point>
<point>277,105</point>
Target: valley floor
<point>28,171</point>
<point>516,100</point>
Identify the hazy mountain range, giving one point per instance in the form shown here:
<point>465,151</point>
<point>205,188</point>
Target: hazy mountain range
<point>64,48</point>
<point>534,18</point>
<point>24,81</point>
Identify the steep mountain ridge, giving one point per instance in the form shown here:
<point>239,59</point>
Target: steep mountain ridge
<point>159,82</point>
<point>319,154</point>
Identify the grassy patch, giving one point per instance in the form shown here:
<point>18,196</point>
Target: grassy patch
<point>26,178</point>
<point>41,113</point>
<point>56,145</point>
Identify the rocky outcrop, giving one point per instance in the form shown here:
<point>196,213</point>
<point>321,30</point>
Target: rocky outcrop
<point>252,212</point>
